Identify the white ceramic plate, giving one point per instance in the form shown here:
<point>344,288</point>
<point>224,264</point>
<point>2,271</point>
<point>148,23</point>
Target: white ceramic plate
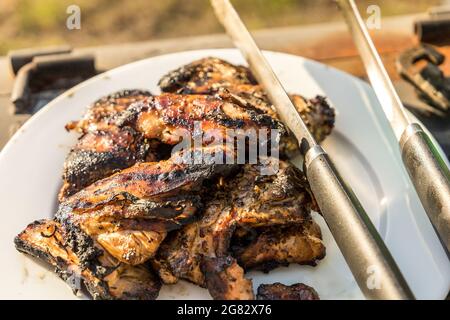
<point>362,146</point>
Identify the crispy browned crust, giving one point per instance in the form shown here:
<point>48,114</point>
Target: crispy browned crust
<point>215,76</point>
<point>317,114</point>
<point>134,133</point>
<point>103,147</point>
<point>130,212</point>
<point>248,200</point>
<point>131,231</point>
<point>180,256</point>
<point>278,291</point>
<point>98,154</point>
<point>225,279</point>
<point>103,276</point>
<point>205,76</point>
<point>267,248</point>
<point>146,181</point>
<point>102,112</point>
<point>168,116</point>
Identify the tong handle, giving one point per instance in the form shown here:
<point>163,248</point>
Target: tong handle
<point>372,265</point>
<point>430,176</point>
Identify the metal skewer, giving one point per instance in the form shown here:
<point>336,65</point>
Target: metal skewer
<point>357,238</point>
<point>427,170</point>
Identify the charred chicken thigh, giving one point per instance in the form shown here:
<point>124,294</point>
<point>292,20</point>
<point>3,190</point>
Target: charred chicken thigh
<point>103,276</point>
<point>103,147</point>
<point>136,133</point>
<point>278,291</point>
<point>130,213</point>
<point>245,201</point>
<point>214,76</point>
<point>267,248</point>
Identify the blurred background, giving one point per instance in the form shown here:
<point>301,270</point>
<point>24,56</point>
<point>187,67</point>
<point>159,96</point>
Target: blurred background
<point>27,23</point>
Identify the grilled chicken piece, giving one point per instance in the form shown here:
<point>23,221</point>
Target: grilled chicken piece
<point>213,75</point>
<point>247,200</point>
<point>103,276</point>
<point>169,117</point>
<point>151,181</point>
<point>269,247</point>
<point>101,113</point>
<point>180,256</point>
<point>317,114</point>
<point>205,76</point>
<point>103,147</point>
<point>278,291</point>
<point>225,279</point>
<point>99,154</point>
<point>136,133</point>
<point>134,239</point>
<point>130,212</point>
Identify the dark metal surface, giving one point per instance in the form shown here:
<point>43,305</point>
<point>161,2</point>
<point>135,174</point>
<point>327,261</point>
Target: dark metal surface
<point>48,75</point>
<point>339,205</point>
<point>430,176</point>
<point>429,80</point>
<point>370,261</point>
<point>433,31</point>
<point>21,57</point>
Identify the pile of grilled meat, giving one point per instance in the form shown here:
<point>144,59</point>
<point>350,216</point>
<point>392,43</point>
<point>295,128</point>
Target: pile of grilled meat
<point>131,217</point>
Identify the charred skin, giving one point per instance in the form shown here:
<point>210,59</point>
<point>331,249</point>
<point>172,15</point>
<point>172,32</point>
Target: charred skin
<point>215,76</point>
<point>103,276</point>
<point>103,147</point>
<point>127,233</point>
<point>150,181</point>
<point>169,117</point>
<point>225,279</point>
<point>205,76</point>
<point>101,153</point>
<point>278,291</point>
<point>134,134</point>
<point>102,112</point>
<point>268,200</point>
<point>267,248</point>
<point>180,256</point>
<point>248,200</point>
<point>317,114</point>
<point>130,213</point>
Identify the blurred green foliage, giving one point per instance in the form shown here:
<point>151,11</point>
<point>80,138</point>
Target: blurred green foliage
<point>39,15</point>
<point>32,23</point>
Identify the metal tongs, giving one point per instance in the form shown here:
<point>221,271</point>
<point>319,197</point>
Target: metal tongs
<point>357,238</point>
<point>426,168</point>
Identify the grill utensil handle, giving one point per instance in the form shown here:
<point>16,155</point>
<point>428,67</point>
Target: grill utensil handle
<point>430,176</point>
<point>365,252</point>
